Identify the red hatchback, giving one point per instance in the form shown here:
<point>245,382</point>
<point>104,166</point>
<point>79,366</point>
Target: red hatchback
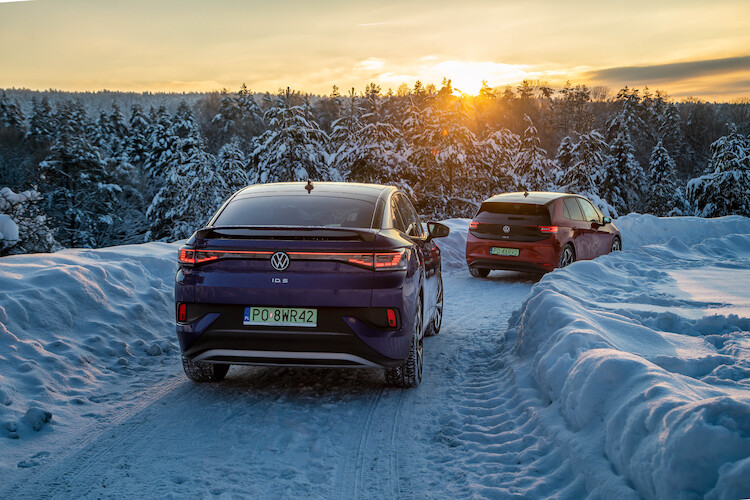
<point>537,232</point>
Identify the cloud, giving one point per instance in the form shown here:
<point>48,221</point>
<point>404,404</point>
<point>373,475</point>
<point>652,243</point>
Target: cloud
<point>671,71</point>
<point>371,64</point>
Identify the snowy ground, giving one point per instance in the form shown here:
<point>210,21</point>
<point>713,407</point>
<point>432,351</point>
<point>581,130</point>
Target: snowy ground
<point>623,377</point>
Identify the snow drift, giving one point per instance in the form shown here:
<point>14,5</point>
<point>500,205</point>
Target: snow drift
<point>73,321</point>
<point>645,354</point>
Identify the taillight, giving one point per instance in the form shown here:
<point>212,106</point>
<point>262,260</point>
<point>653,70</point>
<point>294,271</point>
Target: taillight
<point>187,256</point>
<point>182,312</point>
<point>391,260</point>
<point>548,229</point>
<point>392,318</point>
<point>473,225</point>
<point>381,261</point>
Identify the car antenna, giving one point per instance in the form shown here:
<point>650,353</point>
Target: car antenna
<point>309,186</point>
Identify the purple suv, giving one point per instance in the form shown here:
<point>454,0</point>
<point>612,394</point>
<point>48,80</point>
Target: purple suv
<point>316,275</point>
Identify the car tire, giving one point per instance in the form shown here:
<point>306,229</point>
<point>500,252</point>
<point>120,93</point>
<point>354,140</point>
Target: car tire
<point>567,256</point>
<point>616,245</point>
<point>199,371</point>
<point>479,272</point>
<point>437,320</point>
<point>409,374</point>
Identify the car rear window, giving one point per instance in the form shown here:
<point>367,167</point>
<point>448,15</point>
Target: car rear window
<point>305,210</point>
<point>519,213</point>
<point>514,209</point>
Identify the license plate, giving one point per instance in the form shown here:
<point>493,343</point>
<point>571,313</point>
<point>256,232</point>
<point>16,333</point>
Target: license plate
<point>280,316</point>
<point>510,252</point>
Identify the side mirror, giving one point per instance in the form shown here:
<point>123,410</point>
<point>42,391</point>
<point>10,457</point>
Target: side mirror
<point>437,230</point>
<point>606,220</point>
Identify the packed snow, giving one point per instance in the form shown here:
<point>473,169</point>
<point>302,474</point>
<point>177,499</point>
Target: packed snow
<point>626,376</point>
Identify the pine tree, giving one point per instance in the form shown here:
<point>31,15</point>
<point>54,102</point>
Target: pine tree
<point>446,172</point>
<point>563,159</point>
<point>587,169</point>
<point>79,194</point>
<point>136,144</point>
<point>344,141</point>
<point>185,200</point>
<point>373,159</point>
<point>532,165</point>
<point>624,179</point>
<point>163,147</point>
<point>10,114</point>
<point>231,167</point>
<point>293,147</point>
<point>42,123</point>
<point>665,198</point>
<point>497,157</point>
<point>725,187</point>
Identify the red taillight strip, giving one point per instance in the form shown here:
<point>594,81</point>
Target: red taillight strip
<point>385,260</point>
<point>473,225</point>
<point>548,229</point>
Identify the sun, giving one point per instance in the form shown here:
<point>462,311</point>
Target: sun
<point>467,76</point>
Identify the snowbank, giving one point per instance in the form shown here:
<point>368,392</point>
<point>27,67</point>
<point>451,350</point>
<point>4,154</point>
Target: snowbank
<point>453,246</point>
<point>645,354</point>
<point>75,322</point>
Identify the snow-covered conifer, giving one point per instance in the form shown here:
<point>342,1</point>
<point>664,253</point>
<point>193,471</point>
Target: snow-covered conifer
<point>231,167</point>
<point>183,202</point>
<point>10,114</point>
<point>665,197</point>
<point>532,166</point>
<point>587,170</point>
<point>624,179</point>
<point>725,187</point>
<point>79,193</point>
<point>293,147</point>
<point>43,122</point>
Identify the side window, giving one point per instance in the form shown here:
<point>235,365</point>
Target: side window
<point>396,215</point>
<point>572,209</point>
<point>589,212</point>
<point>411,217</point>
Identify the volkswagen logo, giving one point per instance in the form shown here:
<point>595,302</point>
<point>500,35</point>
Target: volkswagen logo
<point>280,261</point>
<point>506,229</point>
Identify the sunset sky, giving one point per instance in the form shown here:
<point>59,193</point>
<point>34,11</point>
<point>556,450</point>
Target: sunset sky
<point>686,47</point>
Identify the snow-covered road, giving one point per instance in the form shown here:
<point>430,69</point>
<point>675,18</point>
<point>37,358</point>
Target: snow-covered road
<point>276,432</point>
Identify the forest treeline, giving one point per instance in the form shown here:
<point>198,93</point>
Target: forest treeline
<point>76,171</point>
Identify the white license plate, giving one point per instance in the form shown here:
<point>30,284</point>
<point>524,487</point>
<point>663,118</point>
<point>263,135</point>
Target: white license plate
<point>509,252</point>
<point>280,316</point>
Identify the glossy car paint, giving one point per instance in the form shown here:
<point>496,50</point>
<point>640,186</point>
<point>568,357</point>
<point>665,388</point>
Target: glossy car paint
<point>541,253</point>
<point>351,300</point>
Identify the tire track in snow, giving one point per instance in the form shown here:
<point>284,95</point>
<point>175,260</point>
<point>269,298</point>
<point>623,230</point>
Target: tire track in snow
<point>488,442</point>
<point>378,467</point>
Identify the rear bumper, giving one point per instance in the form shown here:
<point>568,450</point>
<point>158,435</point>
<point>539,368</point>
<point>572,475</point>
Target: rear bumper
<point>536,257</point>
<point>508,265</point>
<point>345,337</point>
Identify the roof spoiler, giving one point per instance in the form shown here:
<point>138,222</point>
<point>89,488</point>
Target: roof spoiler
<point>283,233</point>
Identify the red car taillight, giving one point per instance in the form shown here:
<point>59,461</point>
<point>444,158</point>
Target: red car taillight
<point>473,225</point>
<point>548,229</point>
<point>380,261</point>
<point>392,318</point>
<point>187,256</point>
<point>182,312</point>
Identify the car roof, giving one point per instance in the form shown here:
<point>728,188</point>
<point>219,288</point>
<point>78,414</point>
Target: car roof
<point>529,197</point>
<point>329,189</point>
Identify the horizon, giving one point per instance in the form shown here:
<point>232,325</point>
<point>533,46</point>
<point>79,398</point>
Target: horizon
<point>684,48</point>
